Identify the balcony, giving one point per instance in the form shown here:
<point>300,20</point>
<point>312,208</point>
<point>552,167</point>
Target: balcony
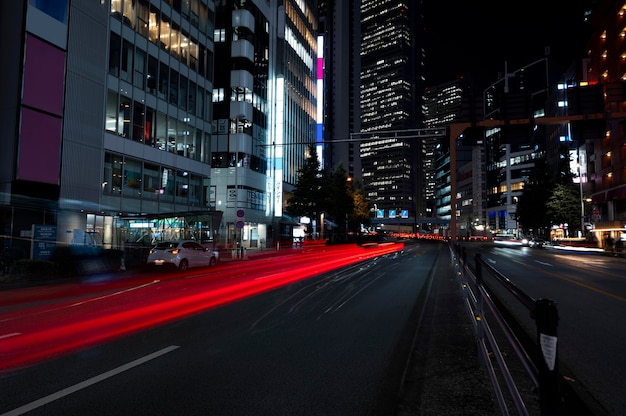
<point>241,80</point>
<point>241,110</point>
<point>242,49</point>
<point>243,18</point>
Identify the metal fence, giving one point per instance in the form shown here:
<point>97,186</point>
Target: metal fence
<point>542,370</point>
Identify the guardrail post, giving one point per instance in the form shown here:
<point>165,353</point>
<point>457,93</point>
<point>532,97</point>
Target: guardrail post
<point>480,334</point>
<point>546,317</point>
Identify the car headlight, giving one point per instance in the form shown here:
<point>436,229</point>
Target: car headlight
<point>525,241</point>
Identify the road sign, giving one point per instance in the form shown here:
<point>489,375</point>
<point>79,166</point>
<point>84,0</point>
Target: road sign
<point>240,213</point>
<point>239,224</point>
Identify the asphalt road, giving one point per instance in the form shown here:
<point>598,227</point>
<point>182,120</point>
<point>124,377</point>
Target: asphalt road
<point>341,343</point>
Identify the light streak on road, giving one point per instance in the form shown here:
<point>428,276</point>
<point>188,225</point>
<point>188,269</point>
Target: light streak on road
<point>72,326</point>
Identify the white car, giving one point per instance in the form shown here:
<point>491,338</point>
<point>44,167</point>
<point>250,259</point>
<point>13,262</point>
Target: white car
<point>182,254</point>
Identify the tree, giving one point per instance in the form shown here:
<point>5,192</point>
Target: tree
<point>339,202</point>
<point>308,198</point>
<point>361,211</point>
<point>563,206</point>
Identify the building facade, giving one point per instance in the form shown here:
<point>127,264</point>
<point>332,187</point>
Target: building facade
<point>391,88</point>
<point>110,120</point>
<point>604,145</point>
<point>118,115</point>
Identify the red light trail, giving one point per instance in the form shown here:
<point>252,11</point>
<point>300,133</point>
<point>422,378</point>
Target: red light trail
<point>52,322</point>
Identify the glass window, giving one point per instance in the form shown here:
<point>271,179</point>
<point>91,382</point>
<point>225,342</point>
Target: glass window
<point>173,92</point>
<point>126,68</point>
<point>116,9</point>
<point>138,122</point>
<point>123,117</point>
<point>140,69</point>
<point>202,61</point>
<point>55,8</point>
<point>209,65</point>
<point>153,25</point>
<point>194,13</point>
<point>164,72</point>
<point>182,135</point>
<point>110,123</point>
<point>150,127</point>
<point>182,186</point>
<point>151,181</point>
<point>161,131</point>
<point>193,55</point>
<point>191,102</point>
<point>129,13</point>
<point>182,92</point>
<point>164,38</point>
<point>171,134</point>
<point>143,18</point>
<point>204,16</point>
<point>175,41</point>
<point>131,184</point>
<point>195,190</point>
<point>200,101</point>
<point>185,7</point>
<point>115,47</point>
<point>151,77</point>
<point>112,173</point>
<point>184,48</point>
<point>167,184</point>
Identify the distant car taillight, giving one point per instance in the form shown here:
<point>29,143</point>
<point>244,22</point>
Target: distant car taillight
<point>175,251</point>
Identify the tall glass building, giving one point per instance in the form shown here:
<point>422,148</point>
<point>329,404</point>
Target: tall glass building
<point>390,96</point>
<point>264,118</point>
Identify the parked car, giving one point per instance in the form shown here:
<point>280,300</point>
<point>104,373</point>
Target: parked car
<point>182,254</point>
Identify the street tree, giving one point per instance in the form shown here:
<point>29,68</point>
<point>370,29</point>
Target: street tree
<point>308,197</point>
<point>563,206</point>
<point>339,201</point>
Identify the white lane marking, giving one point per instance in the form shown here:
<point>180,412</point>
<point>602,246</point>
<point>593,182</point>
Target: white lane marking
<point>544,263</point>
<point>84,384</point>
<point>10,335</point>
<point>119,292</point>
<point>491,261</point>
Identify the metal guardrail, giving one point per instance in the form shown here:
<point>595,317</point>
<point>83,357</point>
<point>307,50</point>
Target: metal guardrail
<point>543,371</point>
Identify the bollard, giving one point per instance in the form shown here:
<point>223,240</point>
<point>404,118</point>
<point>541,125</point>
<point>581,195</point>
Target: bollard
<point>546,317</point>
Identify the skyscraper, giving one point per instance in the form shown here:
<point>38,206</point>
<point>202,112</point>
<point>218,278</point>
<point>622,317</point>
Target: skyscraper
<point>390,100</point>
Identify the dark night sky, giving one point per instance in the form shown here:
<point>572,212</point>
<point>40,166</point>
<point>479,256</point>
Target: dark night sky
<point>476,37</point>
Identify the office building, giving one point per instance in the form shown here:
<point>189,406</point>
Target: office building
<point>117,115</point>
<point>108,122</point>
<point>605,159</point>
<point>391,89</point>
